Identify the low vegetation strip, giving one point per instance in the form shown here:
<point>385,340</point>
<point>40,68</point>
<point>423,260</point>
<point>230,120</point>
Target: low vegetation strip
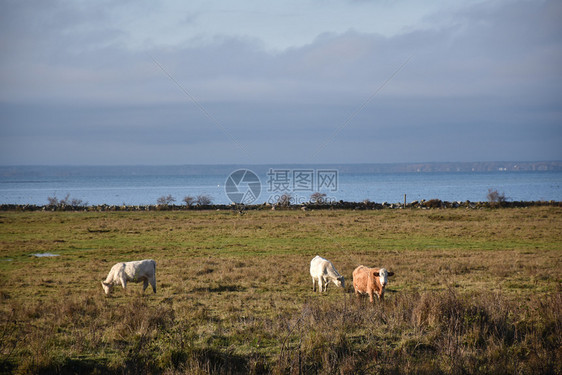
<point>341,205</point>
<point>473,291</point>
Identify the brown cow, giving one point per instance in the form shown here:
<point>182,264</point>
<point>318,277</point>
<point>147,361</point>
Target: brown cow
<point>370,280</point>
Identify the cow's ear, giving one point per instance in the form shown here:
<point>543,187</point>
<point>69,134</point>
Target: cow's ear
<point>375,273</point>
<point>390,273</point>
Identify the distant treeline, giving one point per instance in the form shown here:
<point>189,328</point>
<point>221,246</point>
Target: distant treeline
<point>341,205</point>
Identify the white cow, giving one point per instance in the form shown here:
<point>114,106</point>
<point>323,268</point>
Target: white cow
<point>322,272</point>
<point>136,271</point>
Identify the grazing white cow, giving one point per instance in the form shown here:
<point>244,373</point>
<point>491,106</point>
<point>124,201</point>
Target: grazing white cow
<point>136,271</point>
<point>322,272</point>
<point>370,281</point>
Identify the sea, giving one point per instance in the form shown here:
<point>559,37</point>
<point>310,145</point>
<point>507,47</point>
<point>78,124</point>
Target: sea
<point>257,184</point>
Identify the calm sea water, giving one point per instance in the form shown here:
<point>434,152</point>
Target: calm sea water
<point>144,185</point>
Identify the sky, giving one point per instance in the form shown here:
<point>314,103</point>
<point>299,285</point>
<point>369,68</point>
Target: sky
<point>261,82</point>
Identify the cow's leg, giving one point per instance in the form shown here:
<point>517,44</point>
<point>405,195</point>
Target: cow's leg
<point>370,292</point>
<point>313,284</point>
<point>153,284</point>
<point>124,283</point>
<point>144,285</point>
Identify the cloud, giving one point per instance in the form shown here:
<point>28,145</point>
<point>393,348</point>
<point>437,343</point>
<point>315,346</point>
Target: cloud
<point>484,81</point>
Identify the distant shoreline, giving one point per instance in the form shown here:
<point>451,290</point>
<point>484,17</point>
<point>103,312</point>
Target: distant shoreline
<point>226,169</point>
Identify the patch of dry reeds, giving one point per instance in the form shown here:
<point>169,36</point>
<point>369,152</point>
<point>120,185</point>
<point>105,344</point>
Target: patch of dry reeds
<point>429,332</point>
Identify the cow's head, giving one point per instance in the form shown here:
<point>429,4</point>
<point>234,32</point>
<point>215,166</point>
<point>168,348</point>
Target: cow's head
<point>383,275</point>
<point>340,282</point>
<point>107,288</point>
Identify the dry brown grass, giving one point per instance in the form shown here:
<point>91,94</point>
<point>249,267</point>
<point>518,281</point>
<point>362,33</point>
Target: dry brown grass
<point>475,291</point>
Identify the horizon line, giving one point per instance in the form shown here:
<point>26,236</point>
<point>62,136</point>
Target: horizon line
<point>283,164</point>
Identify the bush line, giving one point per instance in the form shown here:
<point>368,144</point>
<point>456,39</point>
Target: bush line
<point>341,205</point>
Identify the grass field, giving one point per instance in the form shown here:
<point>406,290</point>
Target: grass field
<point>474,291</point>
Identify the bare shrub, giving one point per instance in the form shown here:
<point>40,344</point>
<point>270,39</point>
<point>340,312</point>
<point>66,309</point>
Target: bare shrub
<point>66,201</point>
<point>165,200</point>
<point>189,200</point>
<point>77,202</point>
<point>204,200</point>
<point>495,197</point>
<point>318,198</point>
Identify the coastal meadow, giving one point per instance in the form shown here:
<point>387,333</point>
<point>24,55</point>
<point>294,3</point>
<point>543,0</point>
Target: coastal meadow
<point>474,291</point>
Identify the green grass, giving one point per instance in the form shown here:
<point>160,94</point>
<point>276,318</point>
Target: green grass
<point>471,288</point>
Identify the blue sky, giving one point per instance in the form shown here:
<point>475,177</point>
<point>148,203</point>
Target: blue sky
<point>258,82</point>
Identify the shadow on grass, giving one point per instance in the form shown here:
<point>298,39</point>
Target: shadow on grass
<point>220,288</point>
